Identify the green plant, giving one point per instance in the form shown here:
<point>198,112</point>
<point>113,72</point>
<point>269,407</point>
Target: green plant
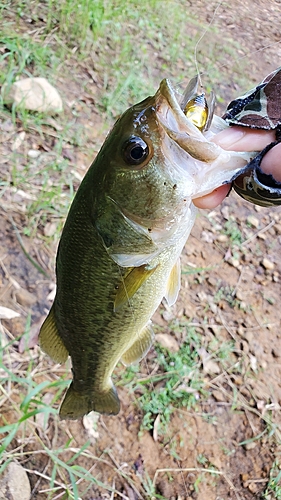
<point>178,383</point>
<point>274,483</point>
<point>232,230</point>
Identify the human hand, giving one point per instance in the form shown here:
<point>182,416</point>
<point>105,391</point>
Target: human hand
<point>244,139</point>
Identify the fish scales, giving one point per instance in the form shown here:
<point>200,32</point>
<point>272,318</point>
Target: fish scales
<point>119,251</point>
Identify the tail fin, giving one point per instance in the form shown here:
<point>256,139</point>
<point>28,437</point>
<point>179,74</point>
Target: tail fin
<point>77,405</point>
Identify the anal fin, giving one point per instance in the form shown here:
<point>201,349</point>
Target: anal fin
<point>174,284</point>
<point>50,341</point>
<point>131,283</point>
<point>140,347</point>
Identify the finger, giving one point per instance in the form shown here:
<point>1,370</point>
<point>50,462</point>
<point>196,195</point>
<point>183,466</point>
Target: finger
<point>213,199</point>
<point>243,139</point>
<point>271,162</point>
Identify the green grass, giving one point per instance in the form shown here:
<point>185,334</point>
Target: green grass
<point>181,385</point>
<point>273,489</point>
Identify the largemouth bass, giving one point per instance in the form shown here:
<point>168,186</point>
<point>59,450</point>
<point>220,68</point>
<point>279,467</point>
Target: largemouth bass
<point>119,251</point>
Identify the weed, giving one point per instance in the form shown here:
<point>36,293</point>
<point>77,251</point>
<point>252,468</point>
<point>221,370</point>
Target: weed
<point>232,230</point>
<point>273,489</point>
<point>177,384</point>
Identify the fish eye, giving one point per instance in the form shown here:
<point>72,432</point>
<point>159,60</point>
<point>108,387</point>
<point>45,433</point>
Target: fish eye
<point>135,150</point>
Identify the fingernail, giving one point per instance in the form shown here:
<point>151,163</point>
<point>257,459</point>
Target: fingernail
<point>228,137</point>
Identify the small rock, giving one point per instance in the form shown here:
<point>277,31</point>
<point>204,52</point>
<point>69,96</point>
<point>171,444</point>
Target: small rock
<point>14,484</point>
<point>254,221</point>
<point>267,264</point>
<point>251,445</point>
<point>166,340</point>
<point>33,94</point>
<point>276,353</point>
<point>244,346</point>
<point>212,281</point>
<point>207,236</point>
<point>222,238</point>
<point>225,212</point>
<point>216,329</point>
<point>240,331</point>
<point>234,262</point>
<point>210,366</point>
<point>18,141</point>
<point>216,462</point>
<point>238,380</point>
<point>218,395</point>
<point>277,228</point>
<point>256,348</point>
<point>240,295</point>
<point>253,487</point>
<point>25,298</point>
<point>33,153</point>
<point>50,229</point>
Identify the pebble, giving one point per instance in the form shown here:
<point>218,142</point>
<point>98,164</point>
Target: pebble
<point>277,228</point>
<point>218,395</point>
<point>33,153</point>
<point>254,221</point>
<point>216,329</point>
<point>166,340</point>
<point>216,462</point>
<point>248,335</point>
<point>267,264</point>
<point>276,353</point>
<point>225,212</point>
<point>240,295</point>
<point>25,298</point>
<point>222,238</point>
<point>212,281</point>
<point>14,484</point>
<point>238,380</point>
<point>50,229</point>
<point>253,487</point>
<point>251,445</point>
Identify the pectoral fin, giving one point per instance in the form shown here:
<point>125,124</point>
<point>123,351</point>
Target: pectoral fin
<point>174,284</point>
<point>50,341</point>
<point>130,284</point>
<point>140,347</point>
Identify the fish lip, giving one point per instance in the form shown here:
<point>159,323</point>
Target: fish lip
<point>167,103</point>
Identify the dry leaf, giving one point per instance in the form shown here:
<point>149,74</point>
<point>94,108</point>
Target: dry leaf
<point>18,141</point>
<point>90,424</point>
<point>6,313</point>
<point>155,427</point>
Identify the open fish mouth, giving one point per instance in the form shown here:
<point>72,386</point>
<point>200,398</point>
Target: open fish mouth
<point>191,151</point>
<point>170,113</point>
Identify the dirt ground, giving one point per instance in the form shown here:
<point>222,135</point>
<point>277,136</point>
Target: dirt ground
<point>226,446</point>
